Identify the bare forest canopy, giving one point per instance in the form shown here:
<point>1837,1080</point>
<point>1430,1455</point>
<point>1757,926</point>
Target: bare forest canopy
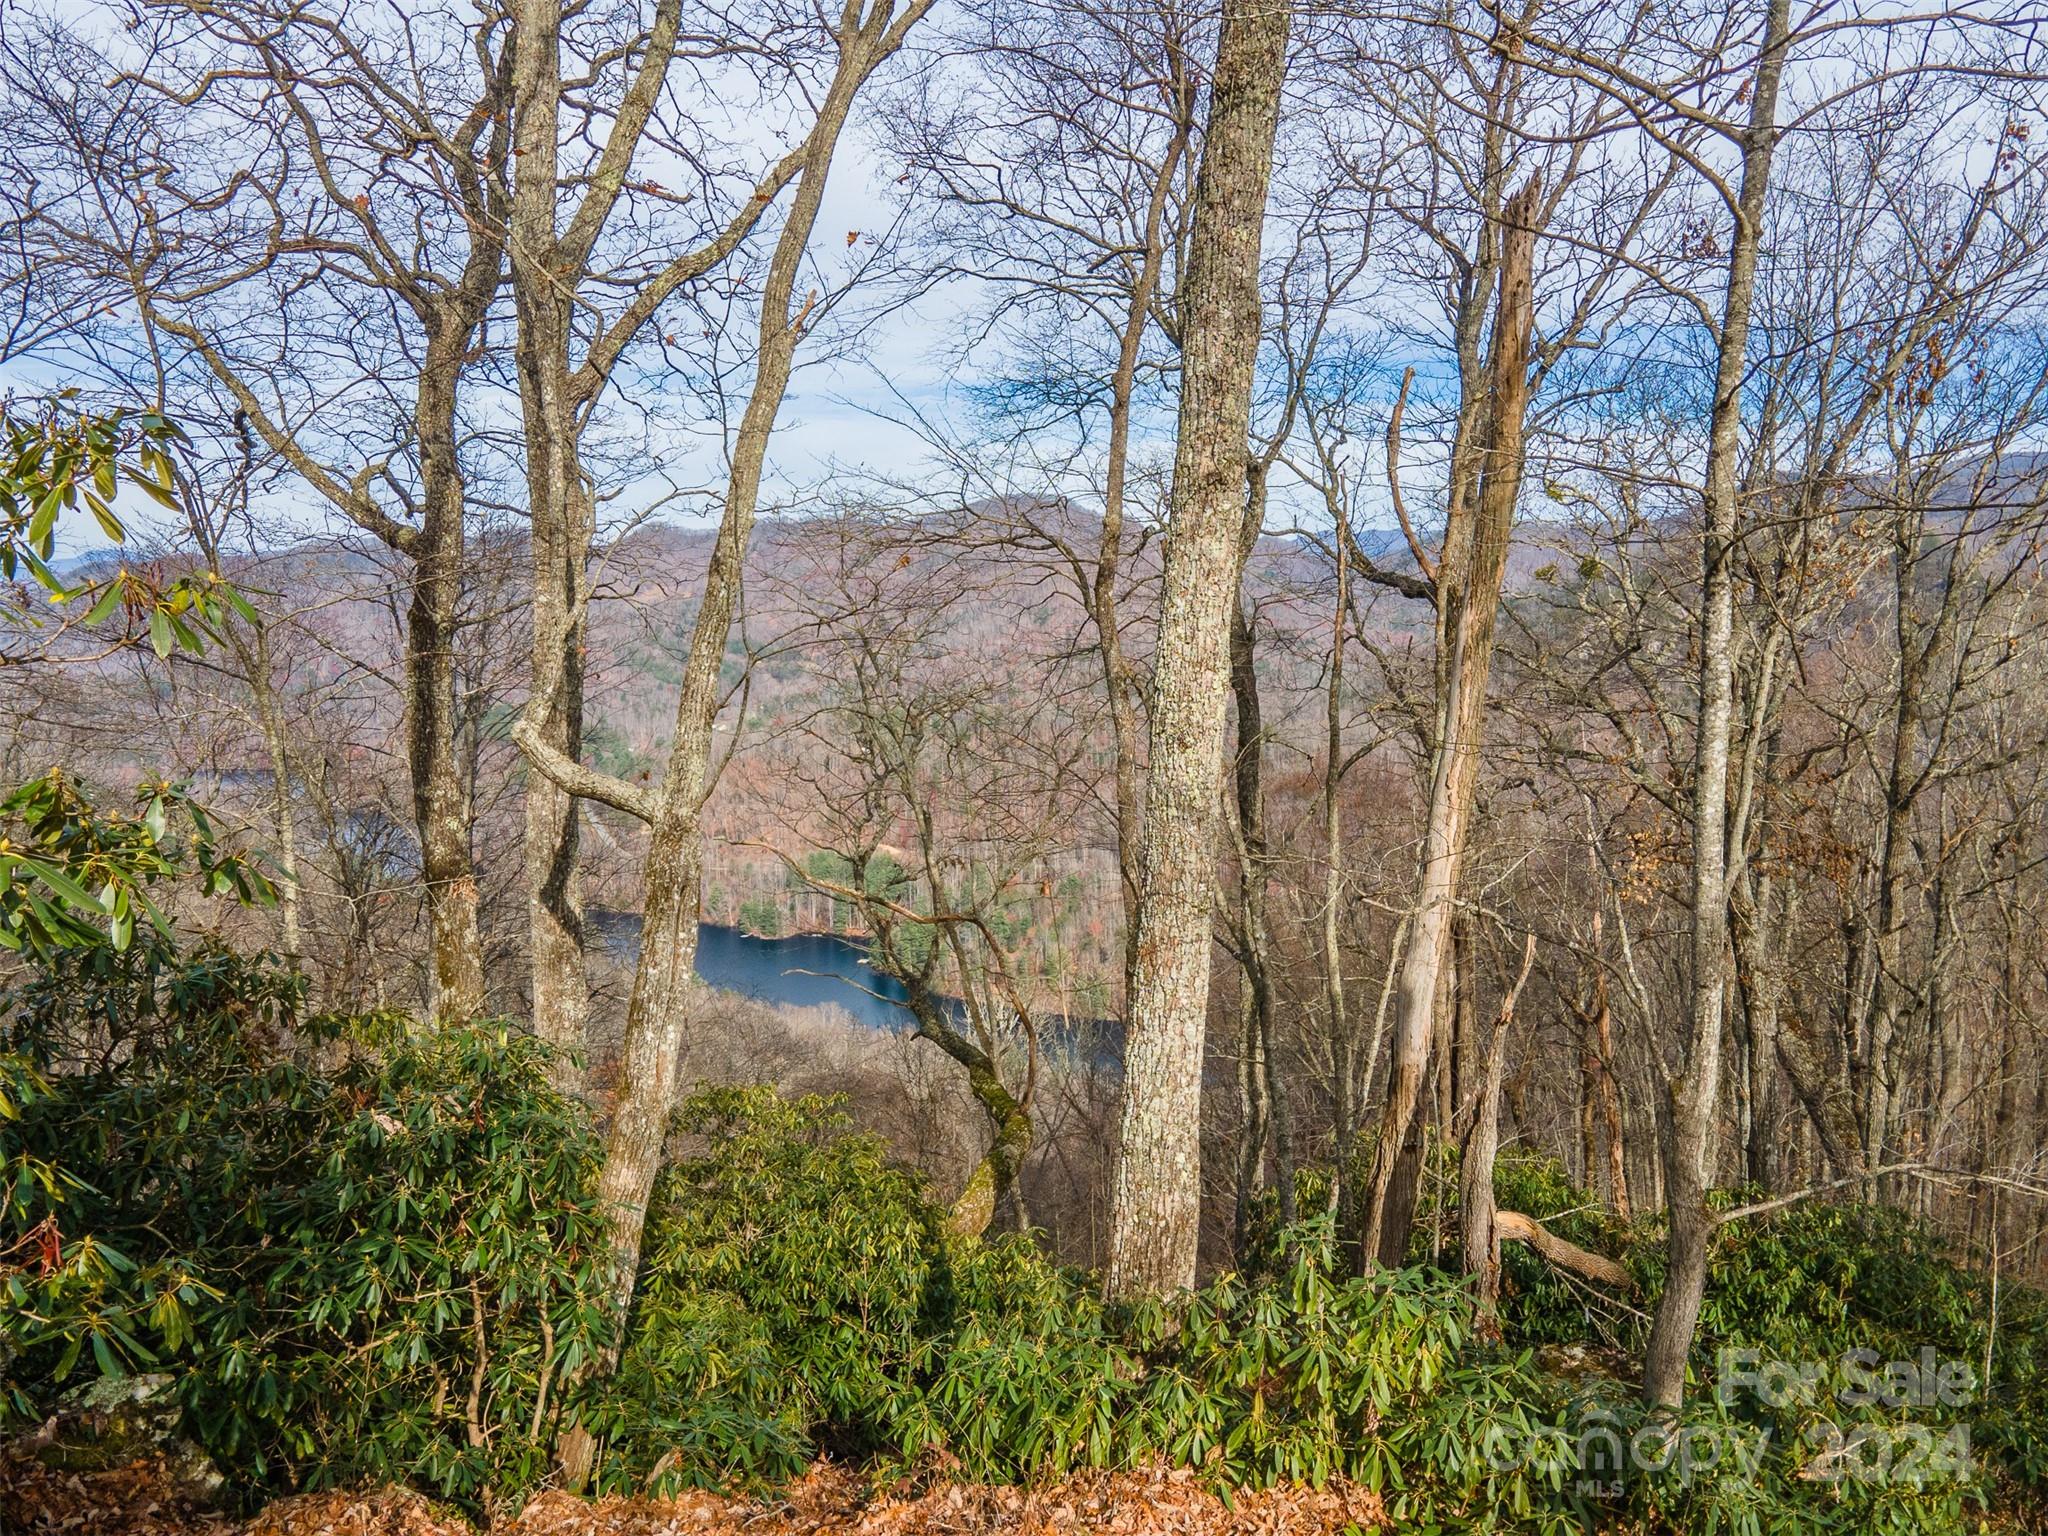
<point>1409,640</point>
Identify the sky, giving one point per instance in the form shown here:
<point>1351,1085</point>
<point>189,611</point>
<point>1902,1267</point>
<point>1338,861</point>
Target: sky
<point>836,421</point>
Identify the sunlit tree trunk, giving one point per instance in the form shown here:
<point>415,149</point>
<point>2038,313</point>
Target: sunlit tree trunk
<point>1696,1094</point>
<point>1155,1195</point>
<point>1104,598</point>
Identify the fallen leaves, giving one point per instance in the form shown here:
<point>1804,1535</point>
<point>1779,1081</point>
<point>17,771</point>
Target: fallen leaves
<point>386,1512</point>
<point>142,1498</point>
<point>1151,1502</point>
<point>827,1501</point>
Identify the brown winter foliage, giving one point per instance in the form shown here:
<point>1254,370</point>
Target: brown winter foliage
<point>140,1500</point>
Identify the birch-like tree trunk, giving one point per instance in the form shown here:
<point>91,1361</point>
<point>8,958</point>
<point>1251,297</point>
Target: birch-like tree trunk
<point>1696,1093</point>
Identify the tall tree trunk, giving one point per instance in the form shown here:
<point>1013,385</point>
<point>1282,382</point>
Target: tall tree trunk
<point>560,515</point>
<point>434,551</point>
<point>1104,599</point>
<point>1346,1088</point>
<point>1884,999</point>
<point>1760,981</point>
<point>1248,782</point>
<point>674,865</point>
<point>672,874</point>
<point>1155,1196</point>
<point>441,803</point>
<point>1696,1094</point>
<point>1464,1062</point>
<point>1468,595</point>
<point>562,534</point>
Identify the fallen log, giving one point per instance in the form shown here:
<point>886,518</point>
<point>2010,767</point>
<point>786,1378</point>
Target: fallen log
<point>1514,1227</point>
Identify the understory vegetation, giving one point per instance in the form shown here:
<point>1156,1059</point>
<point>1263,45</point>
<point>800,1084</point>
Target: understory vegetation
<point>1368,673</point>
<point>363,1250</point>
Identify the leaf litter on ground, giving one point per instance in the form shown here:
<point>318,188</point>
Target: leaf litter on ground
<point>140,1500</point>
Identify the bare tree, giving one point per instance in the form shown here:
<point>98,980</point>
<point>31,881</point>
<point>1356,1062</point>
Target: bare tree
<point>932,795</point>
<point>312,230</point>
<point>862,38</point>
<point>570,343</point>
<point>1156,1193</point>
<point>1058,165</point>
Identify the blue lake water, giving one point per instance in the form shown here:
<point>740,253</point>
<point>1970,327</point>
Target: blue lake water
<point>804,970</point>
<point>812,970</point>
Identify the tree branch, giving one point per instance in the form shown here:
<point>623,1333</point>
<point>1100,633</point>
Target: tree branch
<point>1422,561</point>
<point>583,781</point>
<point>1514,1227</point>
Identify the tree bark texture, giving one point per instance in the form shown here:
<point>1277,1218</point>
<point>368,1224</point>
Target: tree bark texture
<point>544,273</point>
<point>1155,1194</point>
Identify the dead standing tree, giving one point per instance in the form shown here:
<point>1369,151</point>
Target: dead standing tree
<point>1466,578</point>
<point>1471,117</point>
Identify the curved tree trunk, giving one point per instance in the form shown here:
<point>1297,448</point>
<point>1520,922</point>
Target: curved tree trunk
<point>994,1178</point>
<point>1479,1236</point>
<point>1468,595</point>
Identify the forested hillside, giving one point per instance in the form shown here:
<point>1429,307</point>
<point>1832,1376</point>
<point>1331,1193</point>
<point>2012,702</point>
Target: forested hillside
<point>956,765</point>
